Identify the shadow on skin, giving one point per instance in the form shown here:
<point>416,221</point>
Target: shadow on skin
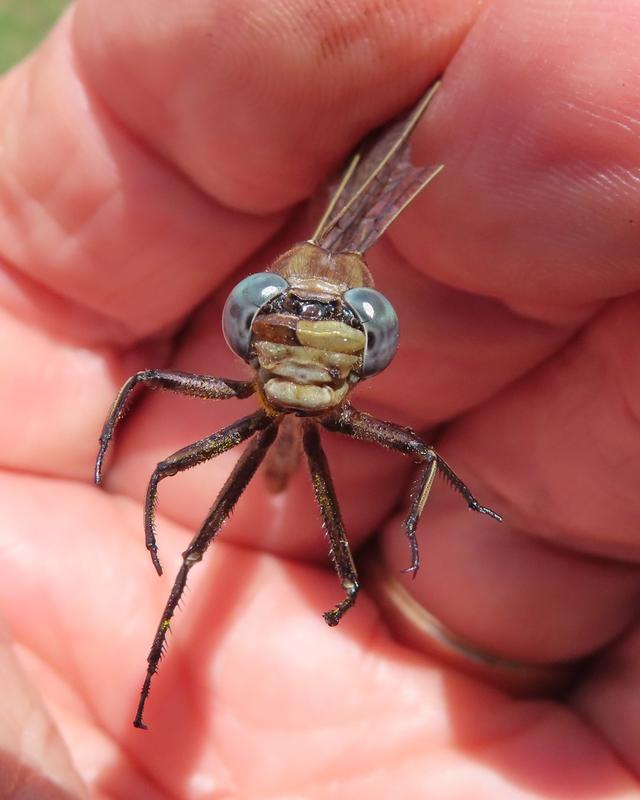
<point>542,746</point>
<point>19,780</point>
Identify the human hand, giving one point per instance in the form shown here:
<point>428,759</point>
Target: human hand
<point>152,156</point>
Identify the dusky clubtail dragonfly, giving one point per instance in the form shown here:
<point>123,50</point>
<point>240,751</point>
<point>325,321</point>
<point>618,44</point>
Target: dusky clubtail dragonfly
<point>312,327</point>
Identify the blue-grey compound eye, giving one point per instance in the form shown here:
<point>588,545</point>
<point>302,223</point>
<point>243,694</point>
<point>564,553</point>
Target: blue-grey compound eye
<point>242,305</point>
<point>380,324</point>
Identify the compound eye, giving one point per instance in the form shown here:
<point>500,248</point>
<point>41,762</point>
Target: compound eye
<point>242,305</point>
<point>380,324</point>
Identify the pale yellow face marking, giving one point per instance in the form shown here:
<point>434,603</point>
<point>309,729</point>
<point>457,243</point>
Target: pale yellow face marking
<point>273,355</point>
<point>330,335</point>
<point>306,397</point>
<point>298,375</point>
<point>302,373</point>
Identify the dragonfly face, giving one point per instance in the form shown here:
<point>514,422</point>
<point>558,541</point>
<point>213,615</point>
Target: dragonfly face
<point>311,329</point>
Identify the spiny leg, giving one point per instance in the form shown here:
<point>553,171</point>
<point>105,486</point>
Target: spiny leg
<point>420,497</point>
<point>362,426</point>
<point>328,502</point>
<point>179,382</point>
<point>190,456</point>
<point>229,495</point>
<point>454,481</point>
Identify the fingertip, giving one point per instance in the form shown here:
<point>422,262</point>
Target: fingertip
<point>310,80</point>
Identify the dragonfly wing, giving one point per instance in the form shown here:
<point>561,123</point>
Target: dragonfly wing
<point>379,182</point>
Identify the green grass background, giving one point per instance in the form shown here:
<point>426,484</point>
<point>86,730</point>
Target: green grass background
<point>23,23</point>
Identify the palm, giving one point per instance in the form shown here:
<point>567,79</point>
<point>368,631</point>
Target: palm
<point>257,697</point>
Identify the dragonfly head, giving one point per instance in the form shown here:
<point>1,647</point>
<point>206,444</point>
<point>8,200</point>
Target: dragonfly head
<point>312,328</point>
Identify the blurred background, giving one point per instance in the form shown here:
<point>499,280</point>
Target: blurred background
<point>23,23</point>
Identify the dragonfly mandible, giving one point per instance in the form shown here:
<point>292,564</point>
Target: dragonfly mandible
<point>311,327</point>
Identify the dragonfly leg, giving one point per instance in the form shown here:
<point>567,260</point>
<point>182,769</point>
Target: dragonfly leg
<point>362,426</point>
<point>180,382</point>
<point>456,483</point>
<point>328,502</point>
<point>418,502</point>
<point>190,456</point>
<point>229,495</point>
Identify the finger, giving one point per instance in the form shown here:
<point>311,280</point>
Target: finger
<point>607,698</point>
<point>558,456</point>
<point>34,760</point>
<point>256,101</point>
<point>540,145</point>
<point>90,214</point>
<point>101,760</point>
<point>214,703</point>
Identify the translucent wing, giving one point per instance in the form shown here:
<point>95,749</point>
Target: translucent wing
<point>378,184</point>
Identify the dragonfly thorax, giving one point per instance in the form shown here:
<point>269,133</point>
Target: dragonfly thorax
<point>320,272</point>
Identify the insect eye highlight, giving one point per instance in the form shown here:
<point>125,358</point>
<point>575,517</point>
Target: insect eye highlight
<point>380,324</point>
<point>243,303</point>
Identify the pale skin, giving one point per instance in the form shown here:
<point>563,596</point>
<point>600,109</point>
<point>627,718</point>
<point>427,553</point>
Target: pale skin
<point>151,154</point>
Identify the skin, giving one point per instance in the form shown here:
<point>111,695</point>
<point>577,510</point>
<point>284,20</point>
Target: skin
<point>152,154</point>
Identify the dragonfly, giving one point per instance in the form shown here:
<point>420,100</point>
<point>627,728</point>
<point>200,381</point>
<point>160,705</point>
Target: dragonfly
<point>311,327</point>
